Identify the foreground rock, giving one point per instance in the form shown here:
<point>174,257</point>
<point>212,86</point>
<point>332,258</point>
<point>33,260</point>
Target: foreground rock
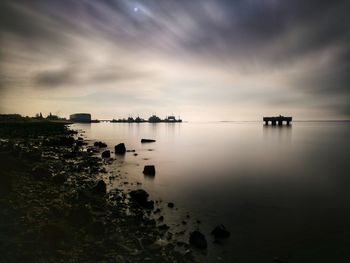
<point>141,197</point>
<point>120,149</point>
<point>220,232</point>
<point>55,208</point>
<point>147,140</point>
<point>149,170</point>
<point>100,188</point>
<point>197,240</point>
<point>100,144</point>
<point>40,172</point>
<point>106,154</point>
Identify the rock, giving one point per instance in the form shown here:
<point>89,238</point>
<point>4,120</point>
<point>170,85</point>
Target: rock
<point>197,240</point>
<point>33,155</point>
<point>161,218</point>
<point>141,197</point>
<point>59,178</point>
<point>79,143</point>
<point>106,154</point>
<point>163,227</point>
<point>171,205</point>
<point>100,144</point>
<point>39,173</point>
<point>156,211</point>
<point>220,232</point>
<point>147,140</point>
<point>148,205</point>
<point>100,188</point>
<point>120,149</point>
<point>149,170</point>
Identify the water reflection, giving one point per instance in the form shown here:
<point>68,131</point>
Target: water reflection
<point>269,185</point>
<point>277,134</point>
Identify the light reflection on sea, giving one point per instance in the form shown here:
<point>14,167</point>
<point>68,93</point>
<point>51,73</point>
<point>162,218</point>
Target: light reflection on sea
<point>281,191</point>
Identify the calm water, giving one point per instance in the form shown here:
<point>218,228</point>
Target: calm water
<point>281,191</point>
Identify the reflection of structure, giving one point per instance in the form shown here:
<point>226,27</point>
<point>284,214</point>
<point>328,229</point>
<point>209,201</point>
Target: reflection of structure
<point>80,117</point>
<point>277,120</point>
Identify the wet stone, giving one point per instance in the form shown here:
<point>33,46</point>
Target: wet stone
<point>106,154</point>
<point>59,178</point>
<point>220,232</point>
<point>100,188</point>
<point>39,173</point>
<point>149,170</point>
<point>197,240</point>
<point>100,144</point>
<point>120,149</point>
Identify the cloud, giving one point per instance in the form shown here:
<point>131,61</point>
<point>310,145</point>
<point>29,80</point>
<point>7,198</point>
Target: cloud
<point>106,44</point>
<point>69,76</point>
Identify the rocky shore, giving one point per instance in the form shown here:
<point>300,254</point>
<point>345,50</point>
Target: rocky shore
<point>54,206</point>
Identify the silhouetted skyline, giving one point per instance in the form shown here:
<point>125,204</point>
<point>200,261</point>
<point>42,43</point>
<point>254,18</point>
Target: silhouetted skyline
<point>217,60</point>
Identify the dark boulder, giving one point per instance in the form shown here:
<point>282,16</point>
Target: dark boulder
<point>100,144</point>
<point>100,188</point>
<point>197,240</point>
<point>33,155</point>
<point>79,143</point>
<point>220,232</point>
<point>120,149</point>
<point>141,197</point>
<point>163,227</point>
<point>40,172</point>
<point>106,154</point>
<point>59,178</point>
<point>148,205</point>
<point>171,205</point>
<point>147,140</point>
<point>149,170</point>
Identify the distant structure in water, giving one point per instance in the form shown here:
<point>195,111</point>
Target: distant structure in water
<point>153,119</point>
<point>277,120</point>
<point>80,117</point>
<point>172,119</point>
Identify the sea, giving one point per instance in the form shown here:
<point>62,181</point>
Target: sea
<point>283,192</point>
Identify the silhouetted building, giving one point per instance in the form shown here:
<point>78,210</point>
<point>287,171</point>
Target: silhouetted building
<point>154,119</point>
<point>80,117</point>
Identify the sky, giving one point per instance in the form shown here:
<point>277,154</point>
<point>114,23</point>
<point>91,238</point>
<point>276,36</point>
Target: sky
<point>198,59</point>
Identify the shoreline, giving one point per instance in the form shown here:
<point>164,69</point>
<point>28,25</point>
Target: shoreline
<point>55,207</point>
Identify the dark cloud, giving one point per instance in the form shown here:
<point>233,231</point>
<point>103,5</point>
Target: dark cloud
<point>55,78</point>
<point>75,76</point>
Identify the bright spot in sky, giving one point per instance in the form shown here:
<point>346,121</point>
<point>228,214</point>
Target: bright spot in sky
<point>136,9</point>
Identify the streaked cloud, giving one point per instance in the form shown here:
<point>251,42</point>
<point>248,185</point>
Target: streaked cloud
<point>233,59</point>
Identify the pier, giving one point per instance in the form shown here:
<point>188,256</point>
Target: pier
<point>277,120</point>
